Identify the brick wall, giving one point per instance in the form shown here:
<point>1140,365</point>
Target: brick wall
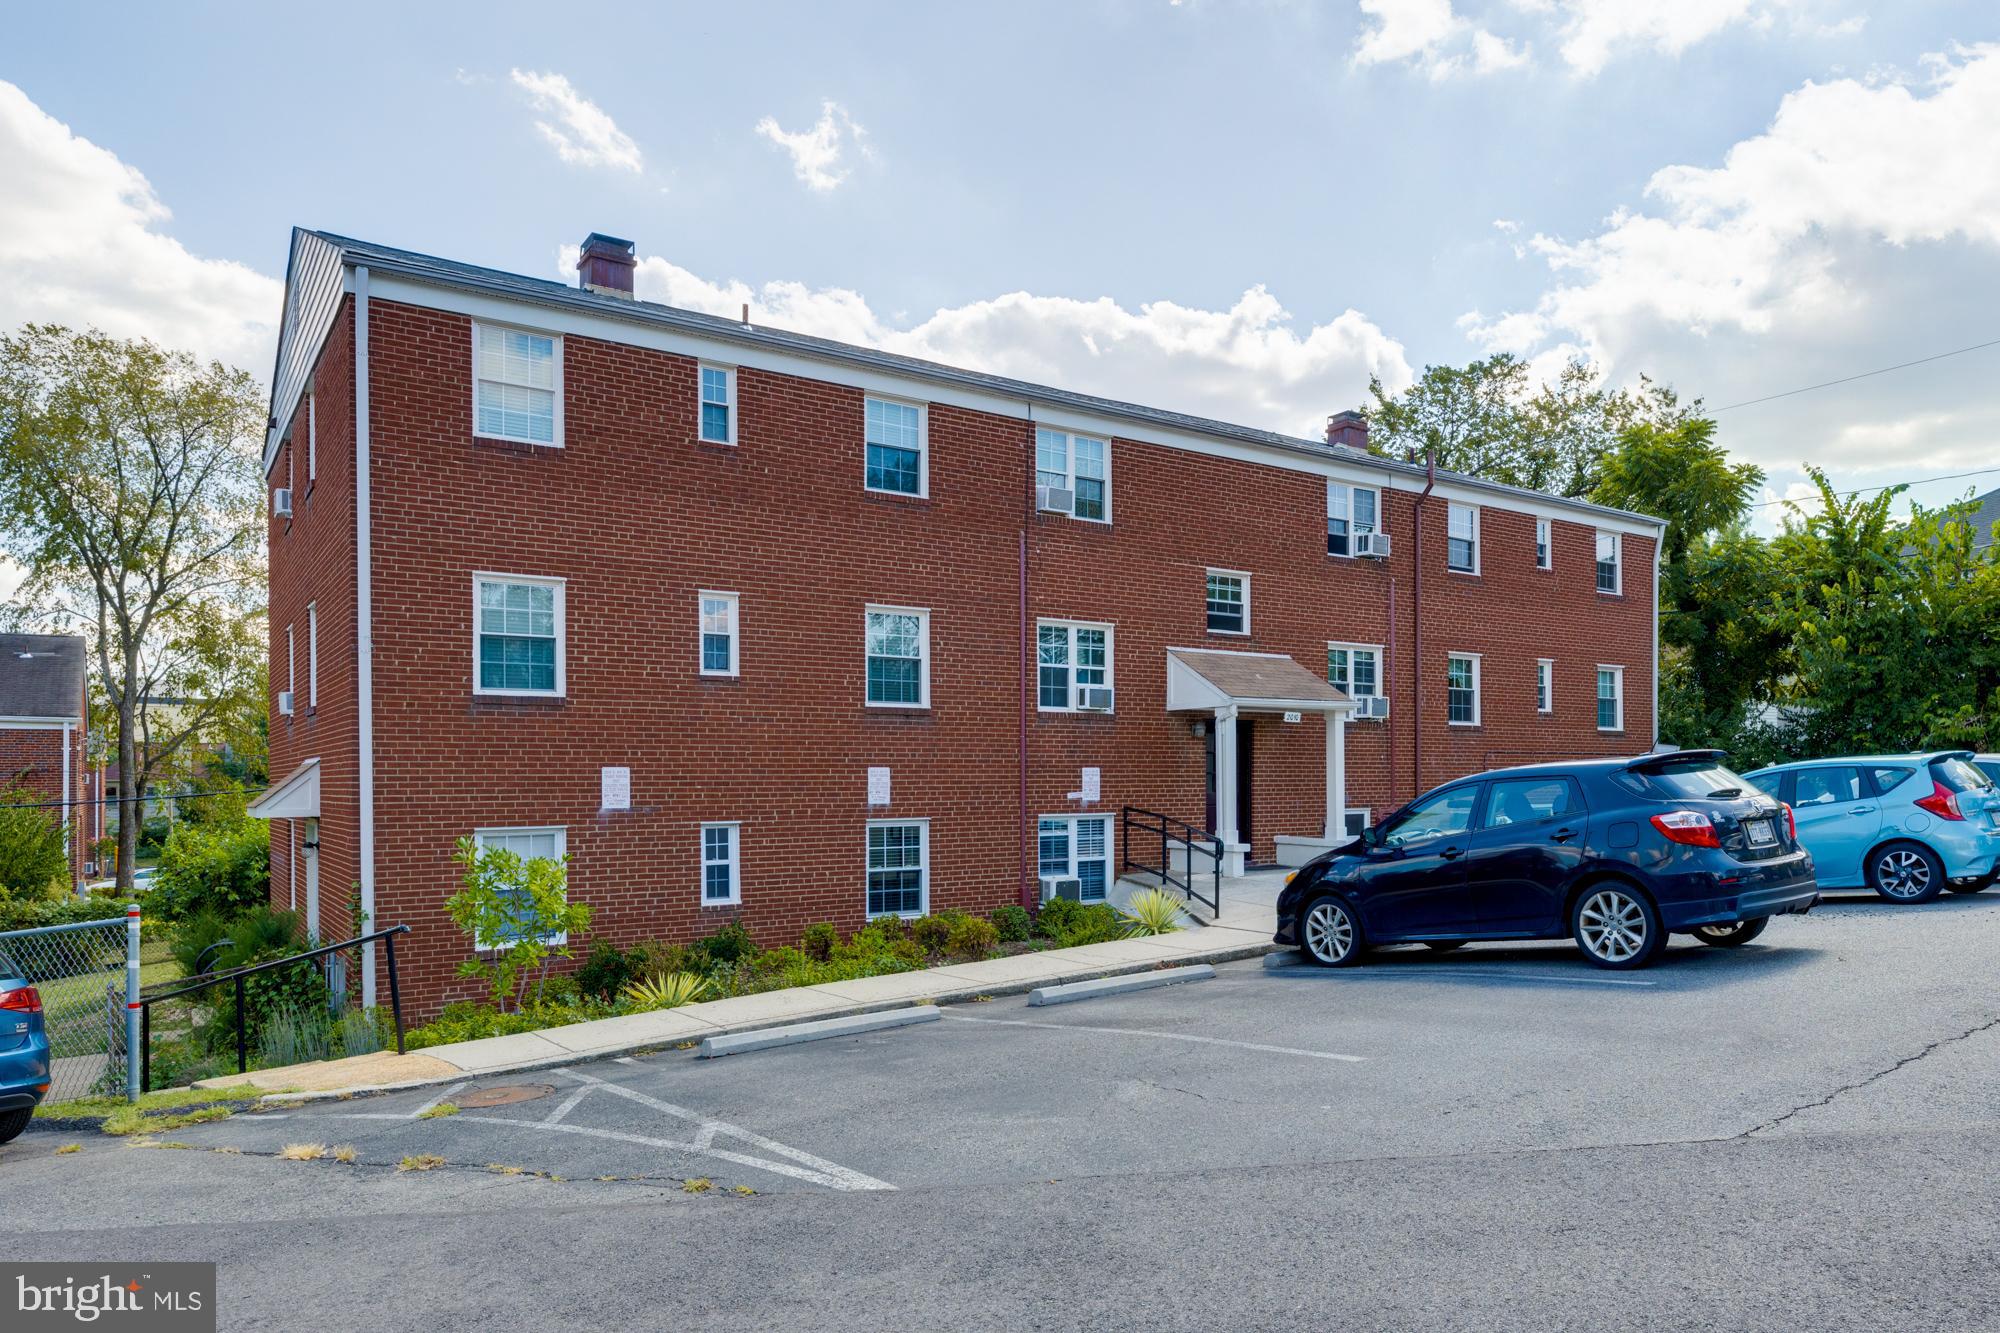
<point>31,760</point>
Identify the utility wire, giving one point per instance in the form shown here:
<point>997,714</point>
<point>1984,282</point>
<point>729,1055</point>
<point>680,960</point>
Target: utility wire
<point>1849,379</point>
<point>116,801</point>
<point>1921,481</point>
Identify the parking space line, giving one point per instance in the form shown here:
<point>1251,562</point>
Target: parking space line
<point>557,1116</point>
<point>1163,1036</point>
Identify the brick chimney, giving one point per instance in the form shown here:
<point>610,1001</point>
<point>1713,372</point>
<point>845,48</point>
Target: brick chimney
<point>605,265</point>
<point>1349,430</point>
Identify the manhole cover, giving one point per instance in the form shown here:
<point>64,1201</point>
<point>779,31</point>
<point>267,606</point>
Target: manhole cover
<point>505,1096</point>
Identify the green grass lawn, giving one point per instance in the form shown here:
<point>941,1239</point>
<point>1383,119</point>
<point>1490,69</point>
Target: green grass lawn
<point>74,1008</point>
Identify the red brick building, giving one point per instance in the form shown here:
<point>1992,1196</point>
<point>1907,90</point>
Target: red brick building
<point>44,728</point>
<point>754,625</point>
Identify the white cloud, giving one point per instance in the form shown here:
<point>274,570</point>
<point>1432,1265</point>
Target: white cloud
<point>578,129</point>
<point>1593,31</point>
<point>817,154</point>
<point>1430,36</point>
<point>1250,363</point>
<point>81,243</point>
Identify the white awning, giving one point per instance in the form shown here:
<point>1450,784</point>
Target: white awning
<point>297,797</point>
<point>1200,680</point>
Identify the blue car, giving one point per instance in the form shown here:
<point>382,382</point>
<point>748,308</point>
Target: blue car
<point>24,1051</point>
<point>1614,853</point>
<point>1905,825</point>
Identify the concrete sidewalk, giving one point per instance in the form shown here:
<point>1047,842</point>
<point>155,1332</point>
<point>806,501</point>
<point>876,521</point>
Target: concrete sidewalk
<point>1239,936</point>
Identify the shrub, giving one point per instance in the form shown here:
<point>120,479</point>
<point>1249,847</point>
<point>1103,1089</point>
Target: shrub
<point>1055,916</point>
<point>26,914</point>
<point>521,900</point>
<point>649,958</point>
<point>224,868</point>
<point>669,990</point>
<point>1068,923</point>
<point>605,971</point>
<point>932,933</point>
<point>32,860</point>
<point>971,937</point>
<point>1012,922</point>
<point>731,944</point>
<point>1151,912</point>
<point>819,941</point>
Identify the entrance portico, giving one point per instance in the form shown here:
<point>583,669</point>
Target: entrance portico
<point>1229,686</point>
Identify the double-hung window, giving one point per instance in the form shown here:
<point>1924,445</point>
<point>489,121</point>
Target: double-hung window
<point>291,671</point>
<point>1069,658</point>
<point>1080,464</point>
<point>718,405</point>
<point>530,844</point>
<point>518,634</point>
<point>899,668</point>
<point>1076,847</point>
<point>1545,550</point>
<point>517,385</point>
<point>721,864</point>
<point>1228,602</point>
<point>1462,689</point>
<point>1608,550</point>
<point>1610,698</point>
<point>719,654</point>
<point>896,447</point>
<point>1545,686</point>
<point>1354,669</point>
<point>1350,511</point>
<point>1462,538</point>
<point>898,867</point>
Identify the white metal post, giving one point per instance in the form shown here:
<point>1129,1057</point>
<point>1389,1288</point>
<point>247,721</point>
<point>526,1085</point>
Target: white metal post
<point>1225,789</point>
<point>132,1002</point>
<point>1336,777</point>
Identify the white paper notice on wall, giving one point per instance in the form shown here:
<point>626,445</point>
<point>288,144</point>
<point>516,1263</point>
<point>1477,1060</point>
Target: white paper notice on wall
<point>1093,784</point>
<point>878,786</point>
<point>615,789</point>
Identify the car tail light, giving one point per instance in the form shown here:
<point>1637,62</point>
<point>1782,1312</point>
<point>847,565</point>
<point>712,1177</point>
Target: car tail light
<point>1690,828</point>
<point>1942,802</point>
<point>26,1000</point>
<point>1791,821</point>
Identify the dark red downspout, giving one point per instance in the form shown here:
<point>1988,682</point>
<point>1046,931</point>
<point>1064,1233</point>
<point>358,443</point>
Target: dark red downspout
<point>1030,892</point>
<point>1417,636</point>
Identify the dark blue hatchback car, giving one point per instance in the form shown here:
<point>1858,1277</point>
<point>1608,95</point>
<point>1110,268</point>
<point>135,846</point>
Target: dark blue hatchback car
<point>24,1051</point>
<point>1614,853</point>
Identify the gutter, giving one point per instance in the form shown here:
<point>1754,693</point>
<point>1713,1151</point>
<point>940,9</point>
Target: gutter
<point>1417,635</point>
<point>364,637</point>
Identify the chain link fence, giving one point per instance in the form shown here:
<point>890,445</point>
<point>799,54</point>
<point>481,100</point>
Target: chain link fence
<point>80,972</point>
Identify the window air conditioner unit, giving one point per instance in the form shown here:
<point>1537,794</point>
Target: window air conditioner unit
<point>1055,499</point>
<point>285,702</point>
<point>1374,545</point>
<point>1373,706</point>
<point>281,501</point>
<point>1094,698</point>
<point>1062,886</point>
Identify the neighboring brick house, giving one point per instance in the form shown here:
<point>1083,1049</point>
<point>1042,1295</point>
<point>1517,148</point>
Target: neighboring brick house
<point>757,625</point>
<point>44,726</point>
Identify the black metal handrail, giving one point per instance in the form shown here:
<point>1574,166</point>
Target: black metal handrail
<point>1147,823</point>
<point>237,974</point>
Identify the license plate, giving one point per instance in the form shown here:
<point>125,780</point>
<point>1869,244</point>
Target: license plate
<point>1760,832</point>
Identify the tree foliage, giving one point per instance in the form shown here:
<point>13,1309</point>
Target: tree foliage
<point>513,907</point>
<point>31,845</point>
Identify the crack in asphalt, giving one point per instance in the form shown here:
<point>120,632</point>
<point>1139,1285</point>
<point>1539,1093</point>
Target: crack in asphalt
<point>1875,1077</point>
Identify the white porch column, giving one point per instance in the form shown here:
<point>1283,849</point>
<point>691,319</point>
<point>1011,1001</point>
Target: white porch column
<point>1233,851</point>
<point>1336,777</point>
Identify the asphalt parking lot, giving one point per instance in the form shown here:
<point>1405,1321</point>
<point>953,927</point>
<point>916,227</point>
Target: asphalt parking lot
<point>1487,1133</point>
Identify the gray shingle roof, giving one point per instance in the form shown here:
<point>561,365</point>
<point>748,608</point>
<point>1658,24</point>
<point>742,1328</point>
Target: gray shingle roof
<point>1984,518</point>
<point>41,675</point>
<point>546,291</point>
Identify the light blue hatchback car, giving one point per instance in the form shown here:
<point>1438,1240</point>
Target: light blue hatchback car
<point>1905,825</point>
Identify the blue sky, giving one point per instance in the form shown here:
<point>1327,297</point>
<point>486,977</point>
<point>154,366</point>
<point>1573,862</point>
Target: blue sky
<point>1234,207</point>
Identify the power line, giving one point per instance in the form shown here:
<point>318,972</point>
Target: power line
<point>1849,379</point>
<point>1921,481</point>
<point>115,801</point>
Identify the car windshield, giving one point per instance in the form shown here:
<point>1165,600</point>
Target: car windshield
<point>1696,778</point>
<point>1958,775</point>
<point>1446,812</point>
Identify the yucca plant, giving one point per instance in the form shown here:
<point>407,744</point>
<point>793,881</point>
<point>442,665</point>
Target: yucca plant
<point>666,990</point>
<point>1151,912</point>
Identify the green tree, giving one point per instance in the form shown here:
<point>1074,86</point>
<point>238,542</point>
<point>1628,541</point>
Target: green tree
<point>131,491</point>
<point>31,845</point>
<point>513,907</point>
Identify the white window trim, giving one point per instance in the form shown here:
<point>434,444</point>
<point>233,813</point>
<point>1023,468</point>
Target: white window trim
<point>557,426</point>
<point>1618,681</point>
<point>735,632</point>
<point>1478,707</point>
<point>1069,435</point>
<point>1071,819</point>
<point>561,690</point>
<point>1617,565</point>
<point>735,864</point>
<point>291,671</point>
<point>1244,575</point>
<point>1545,667</point>
<point>1545,542</point>
<point>923,615</point>
<point>1367,815</point>
<point>923,447</point>
<point>312,440</point>
<point>729,391</point>
<point>923,867</point>
<point>1381,685</point>
<point>479,837</point>
<point>1478,554</point>
<point>1110,659</point>
<point>312,655</point>
<point>1351,488</point>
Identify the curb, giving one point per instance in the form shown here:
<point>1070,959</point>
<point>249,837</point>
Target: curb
<point>742,1043</point>
<point>1091,990</point>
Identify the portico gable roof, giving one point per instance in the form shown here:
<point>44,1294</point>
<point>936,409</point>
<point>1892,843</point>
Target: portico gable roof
<point>297,797</point>
<point>1201,680</point>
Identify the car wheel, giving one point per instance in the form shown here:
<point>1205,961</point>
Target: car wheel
<point>1443,946</point>
<point>1906,872</point>
<point>1729,936</point>
<point>1329,933</point>
<point>1616,927</point>
<point>13,1122</point>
